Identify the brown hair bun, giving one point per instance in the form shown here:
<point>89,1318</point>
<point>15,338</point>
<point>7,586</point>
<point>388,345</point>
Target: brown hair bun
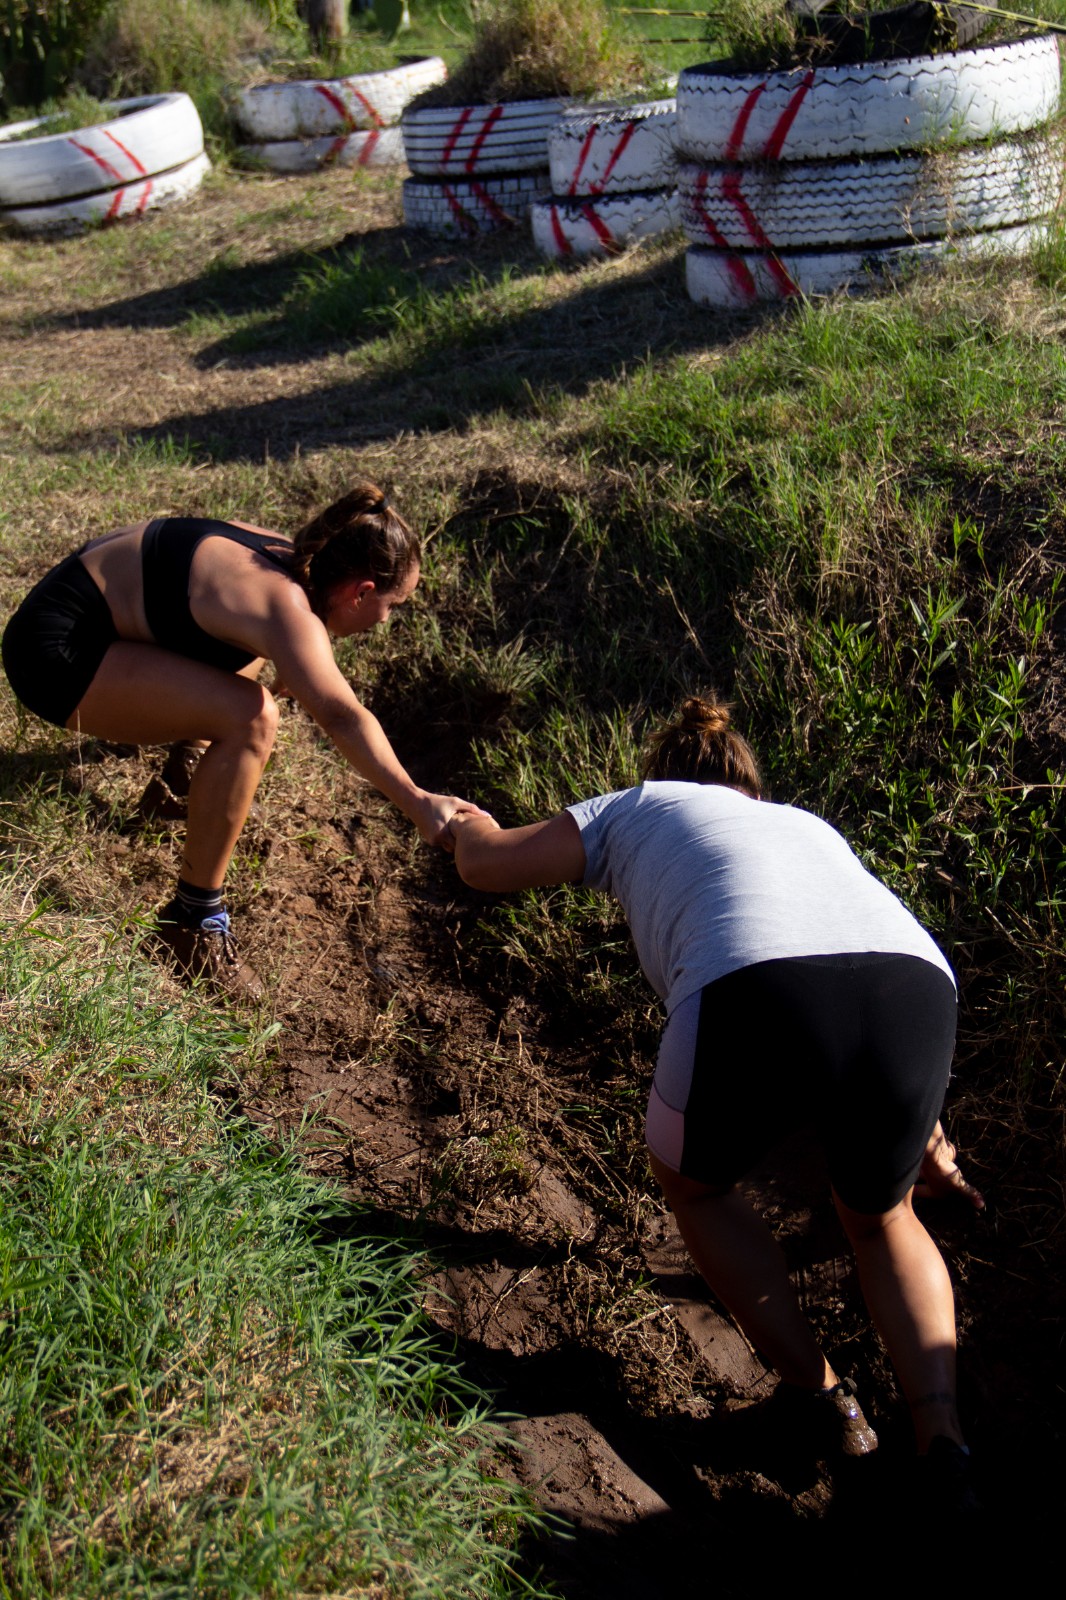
<point>358,536</point>
<point>699,745</point>
<point>703,716</point>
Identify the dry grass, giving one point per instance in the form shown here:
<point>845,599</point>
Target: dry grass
<point>539,49</point>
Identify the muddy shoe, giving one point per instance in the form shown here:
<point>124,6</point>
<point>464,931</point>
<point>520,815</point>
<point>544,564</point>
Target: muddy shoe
<point>166,797</point>
<point>158,803</point>
<point>209,953</point>
<point>832,1417</point>
<point>180,768</point>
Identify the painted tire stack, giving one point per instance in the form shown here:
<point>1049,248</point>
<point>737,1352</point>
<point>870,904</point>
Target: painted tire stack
<point>800,181</point>
<point>614,180</point>
<point>476,168</point>
<point>308,124</point>
<point>149,154</point>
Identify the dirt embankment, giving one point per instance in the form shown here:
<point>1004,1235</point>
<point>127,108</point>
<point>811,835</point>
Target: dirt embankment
<point>489,1123</point>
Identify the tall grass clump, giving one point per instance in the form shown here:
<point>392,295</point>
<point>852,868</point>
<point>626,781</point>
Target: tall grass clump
<point>536,49</point>
<point>852,524</point>
<point>199,46</point>
<point>212,1379</point>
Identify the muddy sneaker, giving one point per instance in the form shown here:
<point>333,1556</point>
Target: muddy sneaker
<point>832,1417</point>
<point>209,953</point>
<point>160,804</point>
<point>165,798</point>
<point>944,1483</point>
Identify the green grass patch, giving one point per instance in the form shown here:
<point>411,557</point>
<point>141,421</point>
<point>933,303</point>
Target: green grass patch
<point>212,1379</point>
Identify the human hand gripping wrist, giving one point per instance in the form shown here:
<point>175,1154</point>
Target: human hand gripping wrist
<point>436,812</point>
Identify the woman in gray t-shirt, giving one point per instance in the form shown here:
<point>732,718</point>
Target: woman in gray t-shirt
<point>798,990</point>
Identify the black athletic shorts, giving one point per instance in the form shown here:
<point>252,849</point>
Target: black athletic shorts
<point>55,642</point>
<point>858,1046</point>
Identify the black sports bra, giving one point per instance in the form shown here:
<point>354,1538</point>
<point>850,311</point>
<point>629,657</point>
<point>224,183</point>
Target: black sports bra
<point>167,549</point>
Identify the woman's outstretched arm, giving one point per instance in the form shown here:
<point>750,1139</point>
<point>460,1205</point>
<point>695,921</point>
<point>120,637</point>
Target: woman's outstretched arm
<point>299,647</point>
<point>499,859</point>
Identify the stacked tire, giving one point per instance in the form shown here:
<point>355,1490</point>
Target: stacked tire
<point>614,180</point>
<point>308,124</point>
<point>476,169</point>
<point>803,181</point>
<point>149,153</point>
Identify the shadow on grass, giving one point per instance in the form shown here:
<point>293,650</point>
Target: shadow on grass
<point>462,336</point>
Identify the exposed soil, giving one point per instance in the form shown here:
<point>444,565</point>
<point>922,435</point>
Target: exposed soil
<point>481,1122</point>
<point>501,1126</point>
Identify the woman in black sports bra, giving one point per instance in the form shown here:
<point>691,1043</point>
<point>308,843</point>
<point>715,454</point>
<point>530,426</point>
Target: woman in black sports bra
<point>155,634</point>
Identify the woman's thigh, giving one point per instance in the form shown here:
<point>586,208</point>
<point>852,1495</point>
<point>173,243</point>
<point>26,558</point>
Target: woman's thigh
<point>143,695</point>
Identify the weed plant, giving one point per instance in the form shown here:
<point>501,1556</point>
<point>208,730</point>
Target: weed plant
<point>536,49</point>
<point>212,1380</point>
<point>760,34</point>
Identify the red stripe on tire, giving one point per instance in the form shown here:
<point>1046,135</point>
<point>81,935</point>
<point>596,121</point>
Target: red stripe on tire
<point>780,130</point>
<point>146,192</point>
<point>492,206</point>
<point>337,103</point>
<point>371,111</point>
<point>731,192</point>
<point>740,126</point>
<point>490,122</point>
<point>138,165</point>
<point>456,131</point>
<point>563,243</point>
<point>742,276</point>
<point>115,207</point>
<point>601,230</point>
<point>335,149</point>
<point>461,215</point>
<point>787,118</point>
<point>630,130</point>
<point>104,165</point>
<point>586,145</point>
<point>368,148</point>
<point>716,237</point>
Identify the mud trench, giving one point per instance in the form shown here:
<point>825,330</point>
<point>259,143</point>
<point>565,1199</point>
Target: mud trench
<point>477,1119</point>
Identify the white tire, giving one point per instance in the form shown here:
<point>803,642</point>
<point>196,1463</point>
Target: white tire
<point>882,200</point>
<point>464,141</point>
<point>155,133</point>
<point>818,112</point>
<point>313,108</point>
<point>110,205</point>
<point>601,225</point>
<point>729,279</point>
<point>463,207</point>
<point>617,150</point>
<point>380,147</point>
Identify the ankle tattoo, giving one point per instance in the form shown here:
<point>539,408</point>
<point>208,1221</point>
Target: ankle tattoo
<point>939,1397</point>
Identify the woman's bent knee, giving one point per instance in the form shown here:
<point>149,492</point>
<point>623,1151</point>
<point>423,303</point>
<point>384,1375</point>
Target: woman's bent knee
<point>262,720</point>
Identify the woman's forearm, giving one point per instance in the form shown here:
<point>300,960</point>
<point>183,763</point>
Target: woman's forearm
<point>501,859</point>
<point>363,743</point>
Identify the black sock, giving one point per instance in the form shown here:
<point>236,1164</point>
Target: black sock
<point>192,904</point>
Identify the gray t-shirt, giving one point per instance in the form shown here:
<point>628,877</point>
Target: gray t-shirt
<point>711,880</point>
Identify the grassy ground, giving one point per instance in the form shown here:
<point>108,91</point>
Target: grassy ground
<point>212,1380</point>
<point>847,515</point>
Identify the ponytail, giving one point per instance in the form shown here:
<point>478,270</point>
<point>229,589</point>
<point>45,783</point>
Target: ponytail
<point>358,536</point>
<point>700,746</point>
